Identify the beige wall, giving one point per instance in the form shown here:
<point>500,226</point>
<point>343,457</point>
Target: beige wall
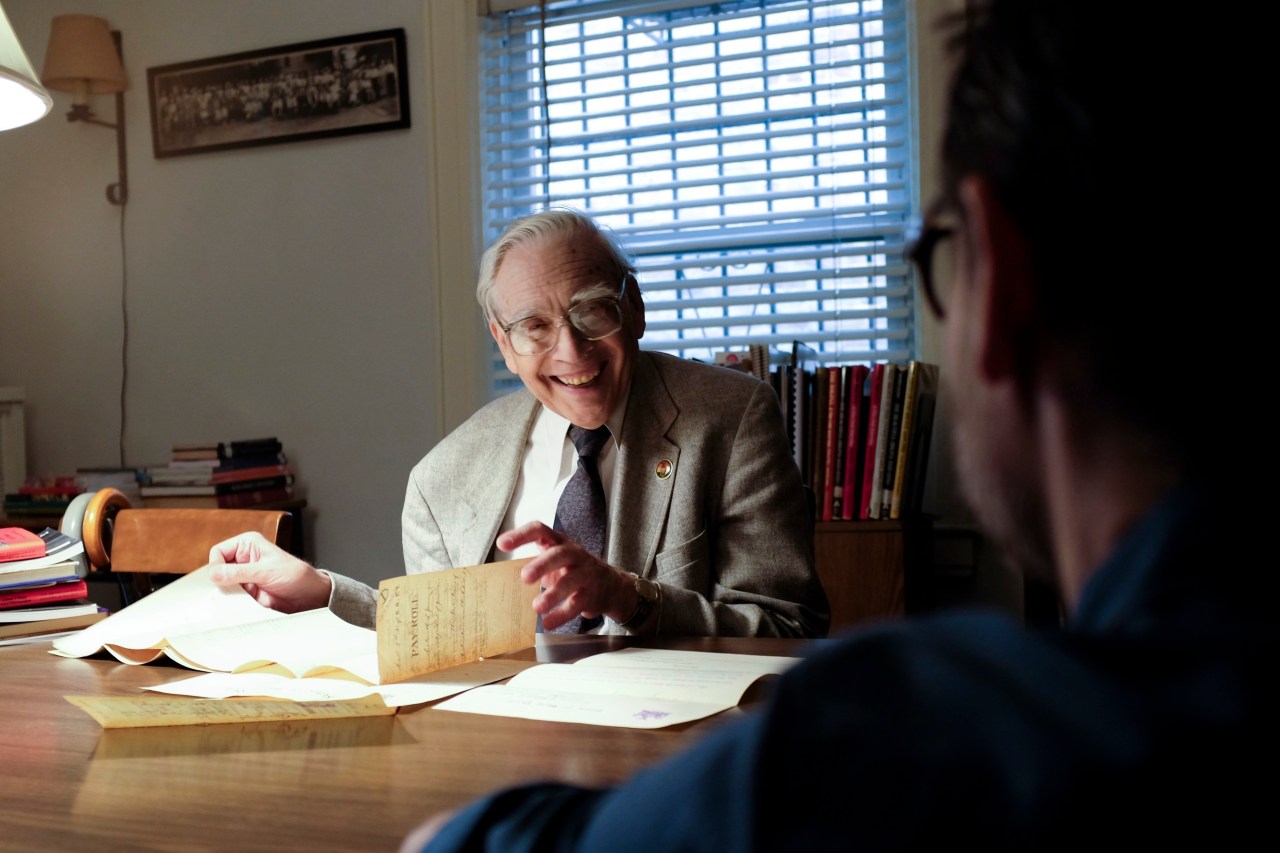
<point>320,291</point>
<point>288,290</point>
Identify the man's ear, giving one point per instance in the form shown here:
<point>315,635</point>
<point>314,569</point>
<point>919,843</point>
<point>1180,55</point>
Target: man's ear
<point>504,345</point>
<point>1000,277</point>
<point>634,308</point>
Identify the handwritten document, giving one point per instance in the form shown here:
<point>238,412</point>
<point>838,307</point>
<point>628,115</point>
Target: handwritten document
<point>434,620</point>
<point>631,688</point>
<point>124,712</point>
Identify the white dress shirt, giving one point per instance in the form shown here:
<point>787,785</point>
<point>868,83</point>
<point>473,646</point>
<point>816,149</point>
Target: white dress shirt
<point>549,461</point>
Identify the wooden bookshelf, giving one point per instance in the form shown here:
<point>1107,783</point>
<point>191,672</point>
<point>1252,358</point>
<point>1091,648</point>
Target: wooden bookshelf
<point>874,570</point>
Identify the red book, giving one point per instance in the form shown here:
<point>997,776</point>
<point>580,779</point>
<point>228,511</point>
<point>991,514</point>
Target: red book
<point>869,456</point>
<point>18,543</point>
<point>36,595</point>
<point>854,439</point>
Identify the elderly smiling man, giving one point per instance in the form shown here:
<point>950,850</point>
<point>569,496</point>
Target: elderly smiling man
<point>656,495</point>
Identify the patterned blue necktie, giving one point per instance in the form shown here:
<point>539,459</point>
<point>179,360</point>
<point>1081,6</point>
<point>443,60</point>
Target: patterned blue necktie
<point>581,513</point>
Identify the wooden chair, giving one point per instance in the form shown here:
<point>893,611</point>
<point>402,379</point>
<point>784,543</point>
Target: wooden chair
<point>146,542</point>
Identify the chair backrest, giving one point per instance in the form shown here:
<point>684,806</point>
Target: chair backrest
<point>177,541</point>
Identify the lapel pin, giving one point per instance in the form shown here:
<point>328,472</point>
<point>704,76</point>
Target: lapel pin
<point>664,469</point>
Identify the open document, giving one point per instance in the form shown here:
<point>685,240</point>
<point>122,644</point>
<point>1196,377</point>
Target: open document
<point>630,688</point>
<point>249,650</point>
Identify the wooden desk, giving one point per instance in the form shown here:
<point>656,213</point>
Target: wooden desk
<point>363,784</point>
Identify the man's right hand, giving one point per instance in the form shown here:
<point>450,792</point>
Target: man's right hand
<point>274,577</point>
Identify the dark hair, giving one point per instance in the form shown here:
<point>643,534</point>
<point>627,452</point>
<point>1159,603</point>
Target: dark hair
<point>1071,112</point>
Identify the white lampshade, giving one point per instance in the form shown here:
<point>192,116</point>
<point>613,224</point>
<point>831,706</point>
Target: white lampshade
<point>82,57</point>
<point>22,99</point>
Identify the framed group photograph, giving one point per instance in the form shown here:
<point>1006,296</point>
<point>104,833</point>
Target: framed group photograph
<point>310,90</point>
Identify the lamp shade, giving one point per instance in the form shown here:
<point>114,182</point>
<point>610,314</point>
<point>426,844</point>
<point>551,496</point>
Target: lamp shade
<point>22,99</point>
<point>82,57</point>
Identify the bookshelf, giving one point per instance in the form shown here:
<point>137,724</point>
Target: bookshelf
<point>873,570</point>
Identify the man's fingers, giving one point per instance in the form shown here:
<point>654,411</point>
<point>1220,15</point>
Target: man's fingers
<point>227,574</point>
<point>533,531</point>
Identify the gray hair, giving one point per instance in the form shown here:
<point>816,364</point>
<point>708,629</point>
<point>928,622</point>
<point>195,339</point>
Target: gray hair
<point>560,223</point>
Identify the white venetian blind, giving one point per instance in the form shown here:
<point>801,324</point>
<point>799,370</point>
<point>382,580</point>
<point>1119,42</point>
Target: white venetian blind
<point>755,156</point>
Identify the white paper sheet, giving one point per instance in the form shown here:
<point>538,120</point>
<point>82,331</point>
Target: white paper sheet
<point>633,688</point>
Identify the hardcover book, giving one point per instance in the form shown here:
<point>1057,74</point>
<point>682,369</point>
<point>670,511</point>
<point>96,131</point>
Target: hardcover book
<point>855,438</point>
<point>829,452</point>
<point>872,439</point>
<point>18,543</point>
<point>889,465</point>
<point>33,596</point>
<point>910,402</point>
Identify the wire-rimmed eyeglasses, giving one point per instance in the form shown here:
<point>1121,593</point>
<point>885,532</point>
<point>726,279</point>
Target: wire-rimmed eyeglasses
<point>593,320</point>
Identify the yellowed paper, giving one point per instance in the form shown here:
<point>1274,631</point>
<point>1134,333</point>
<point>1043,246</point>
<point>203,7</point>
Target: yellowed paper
<point>413,691</point>
<point>126,712</point>
<point>434,620</point>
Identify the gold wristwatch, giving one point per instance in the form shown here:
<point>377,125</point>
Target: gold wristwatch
<point>649,596</point>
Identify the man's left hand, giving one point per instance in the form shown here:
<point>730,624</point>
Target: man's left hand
<point>573,580</point>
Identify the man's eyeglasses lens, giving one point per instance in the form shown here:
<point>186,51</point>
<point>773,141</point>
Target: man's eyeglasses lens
<point>594,320</point>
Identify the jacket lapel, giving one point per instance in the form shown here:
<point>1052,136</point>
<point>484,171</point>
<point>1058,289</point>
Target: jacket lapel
<point>482,503</point>
<point>642,497</point>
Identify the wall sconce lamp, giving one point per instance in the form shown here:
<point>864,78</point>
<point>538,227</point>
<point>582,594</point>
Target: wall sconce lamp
<point>22,98</point>
<point>85,58</point>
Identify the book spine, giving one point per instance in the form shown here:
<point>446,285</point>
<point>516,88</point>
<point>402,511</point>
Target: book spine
<point>252,446</point>
<point>252,485</point>
<point>890,463</point>
<point>256,460</point>
<point>922,434</point>
<point>909,400</point>
<point>832,431</point>
<point>818,437</point>
<point>242,474</point>
<point>873,438</point>
<point>43,595</point>
<point>854,438</point>
<point>882,441</point>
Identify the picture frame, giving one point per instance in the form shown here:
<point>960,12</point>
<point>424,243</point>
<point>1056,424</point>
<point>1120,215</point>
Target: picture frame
<point>308,90</point>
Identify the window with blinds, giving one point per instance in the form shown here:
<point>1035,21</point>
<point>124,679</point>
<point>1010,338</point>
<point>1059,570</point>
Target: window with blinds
<point>754,155</point>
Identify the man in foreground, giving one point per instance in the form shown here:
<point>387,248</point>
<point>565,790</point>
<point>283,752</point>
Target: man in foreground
<point>681,513</point>
<point>1137,723</point>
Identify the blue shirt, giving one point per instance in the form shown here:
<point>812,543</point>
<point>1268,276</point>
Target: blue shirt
<point>1147,719</point>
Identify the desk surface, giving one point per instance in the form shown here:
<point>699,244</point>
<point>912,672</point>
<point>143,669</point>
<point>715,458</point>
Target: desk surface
<point>67,784</point>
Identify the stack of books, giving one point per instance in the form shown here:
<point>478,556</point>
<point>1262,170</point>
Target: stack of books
<point>124,480</point>
<point>245,474</point>
<point>42,587</point>
<point>42,496</point>
<point>50,496</point>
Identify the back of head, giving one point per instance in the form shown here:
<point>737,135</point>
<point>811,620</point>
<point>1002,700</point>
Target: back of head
<point>1077,117</point>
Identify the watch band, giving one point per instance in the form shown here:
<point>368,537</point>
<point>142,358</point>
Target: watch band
<point>649,595</point>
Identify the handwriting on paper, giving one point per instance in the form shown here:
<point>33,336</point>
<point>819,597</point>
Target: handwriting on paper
<point>433,620</point>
